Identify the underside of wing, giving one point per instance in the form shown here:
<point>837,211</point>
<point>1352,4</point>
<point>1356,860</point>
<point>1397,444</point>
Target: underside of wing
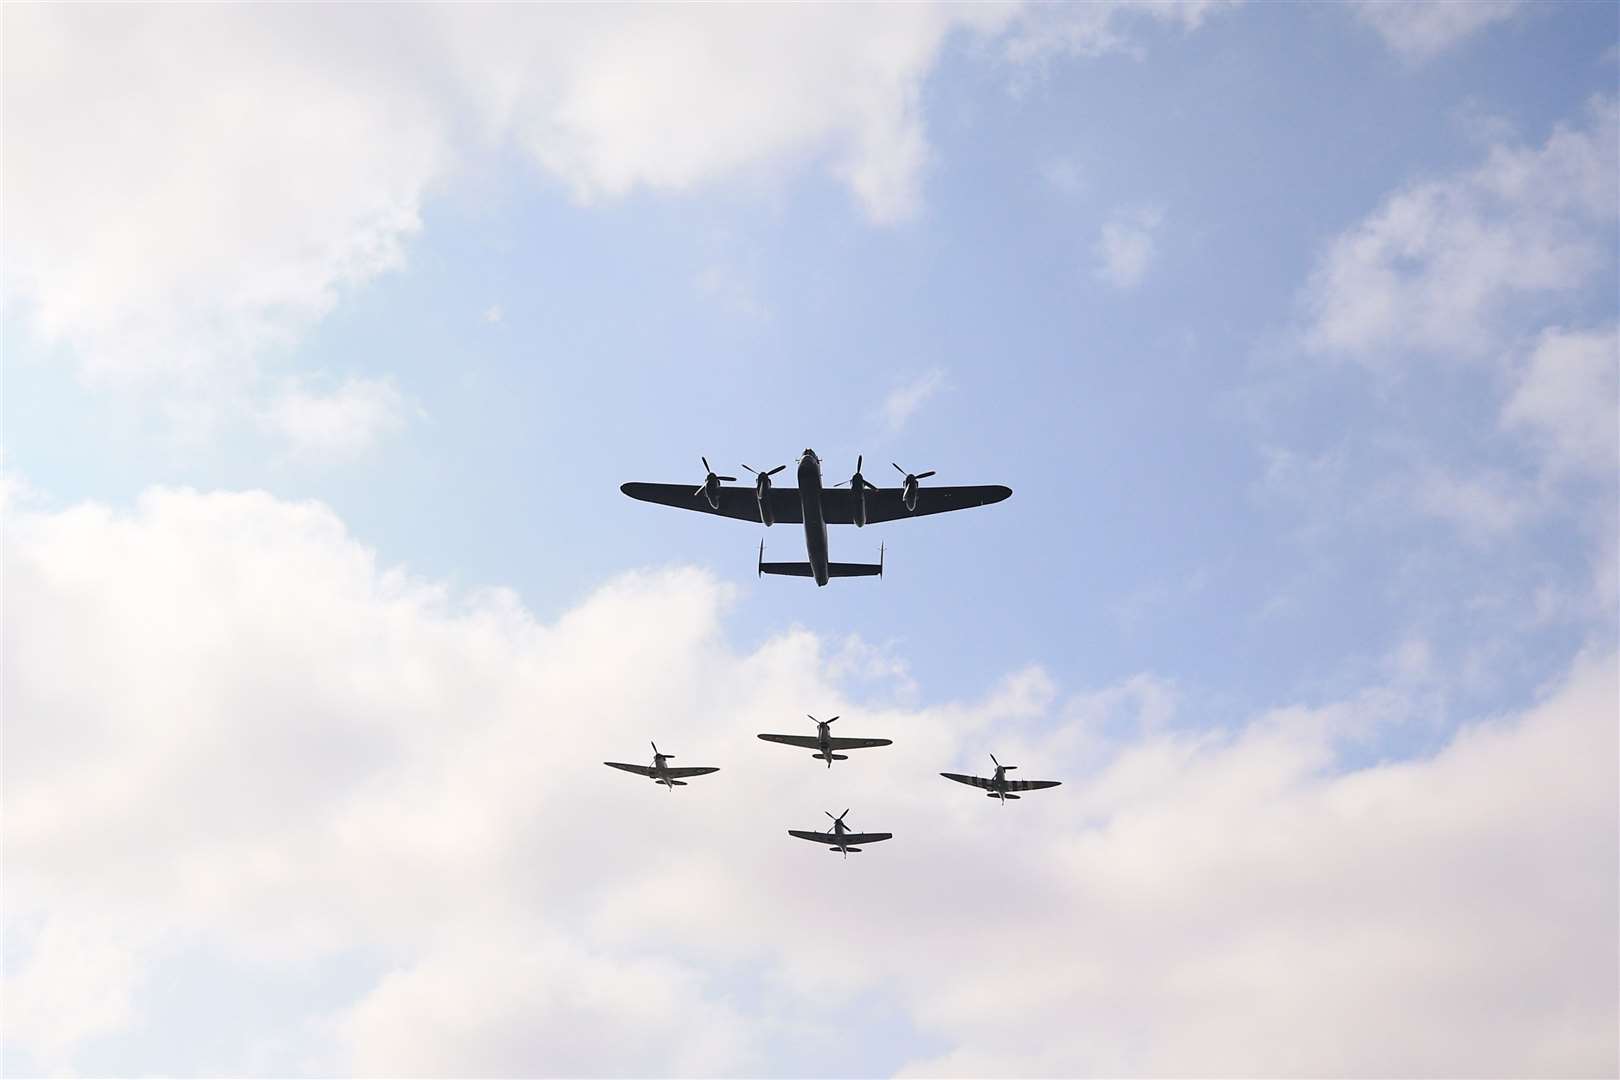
<point>1031,785</point>
<point>735,502</point>
<point>864,837</point>
<point>807,741</point>
<point>700,770</point>
<point>813,837</point>
<point>973,781</point>
<point>885,504</point>
<point>858,744</point>
<point>639,770</point>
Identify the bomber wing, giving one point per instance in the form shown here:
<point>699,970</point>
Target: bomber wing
<point>700,770</point>
<point>809,742</point>
<point>858,744</point>
<point>1031,785</point>
<point>885,504</point>
<point>735,502</point>
<point>814,837</point>
<point>852,838</point>
<point>639,770</point>
<point>975,781</point>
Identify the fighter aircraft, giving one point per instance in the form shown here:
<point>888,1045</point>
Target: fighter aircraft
<point>840,839</point>
<point>824,744</point>
<point>660,773</point>
<point>817,507</point>
<point>1001,787</point>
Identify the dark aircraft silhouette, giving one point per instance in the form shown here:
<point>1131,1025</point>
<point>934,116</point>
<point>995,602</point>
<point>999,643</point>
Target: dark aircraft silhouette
<point>817,507</point>
<point>660,773</point>
<point>824,744</point>
<point>1001,787</point>
<point>840,839</point>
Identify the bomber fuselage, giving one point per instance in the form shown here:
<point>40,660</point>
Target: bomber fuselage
<point>815,523</point>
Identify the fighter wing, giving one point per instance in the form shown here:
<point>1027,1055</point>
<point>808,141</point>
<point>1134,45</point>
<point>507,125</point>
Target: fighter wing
<point>814,837</point>
<point>975,781</point>
<point>701,770</point>
<point>639,770</point>
<point>853,838</point>
<point>858,744</point>
<point>885,504</point>
<point>735,502</point>
<point>1031,785</point>
<point>807,741</point>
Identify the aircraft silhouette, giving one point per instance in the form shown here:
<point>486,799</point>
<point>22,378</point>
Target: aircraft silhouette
<point>824,744</point>
<point>817,507</point>
<point>660,773</point>
<point>840,839</point>
<point>1001,787</point>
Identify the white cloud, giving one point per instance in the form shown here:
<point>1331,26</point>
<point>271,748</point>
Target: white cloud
<point>222,717</point>
<point>1481,504</point>
<point>1439,265</point>
<point>191,189</point>
<point>1099,28</point>
<point>1064,174</point>
<point>731,290</point>
<point>904,400</point>
<point>493,314</point>
<point>1567,399</point>
<point>1420,29</point>
<point>1126,246</point>
<point>336,424</point>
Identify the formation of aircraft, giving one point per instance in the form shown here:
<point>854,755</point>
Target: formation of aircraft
<point>660,773</point>
<point>824,744</point>
<point>840,839</point>
<point>816,507</point>
<point>856,501</point>
<point>999,786</point>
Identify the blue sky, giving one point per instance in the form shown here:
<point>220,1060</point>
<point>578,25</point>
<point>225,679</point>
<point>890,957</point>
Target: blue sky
<point>1291,327</point>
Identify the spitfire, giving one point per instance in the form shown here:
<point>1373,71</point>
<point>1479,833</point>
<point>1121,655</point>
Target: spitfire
<point>840,839</point>
<point>999,786</point>
<point>660,773</point>
<point>824,744</point>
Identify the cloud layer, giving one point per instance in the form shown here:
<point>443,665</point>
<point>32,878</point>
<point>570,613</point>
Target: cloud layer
<point>230,731</point>
<point>1449,266</point>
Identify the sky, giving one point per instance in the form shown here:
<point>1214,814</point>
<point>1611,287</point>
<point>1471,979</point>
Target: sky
<point>330,333</point>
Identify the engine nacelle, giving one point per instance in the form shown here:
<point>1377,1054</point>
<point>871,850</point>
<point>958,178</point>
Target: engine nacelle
<point>857,486</point>
<point>908,493</point>
<point>711,491</point>
<point>762,496</point>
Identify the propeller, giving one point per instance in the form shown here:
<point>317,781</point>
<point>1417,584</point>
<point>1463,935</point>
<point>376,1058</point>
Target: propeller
<point>821,723</point>
<point>764,472</point>
<point>712,478</point>
<point>838,819</point>
<point>858,481</point>
<point>999,765</point>
<point>656,753</point>
<point>912,478</point>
